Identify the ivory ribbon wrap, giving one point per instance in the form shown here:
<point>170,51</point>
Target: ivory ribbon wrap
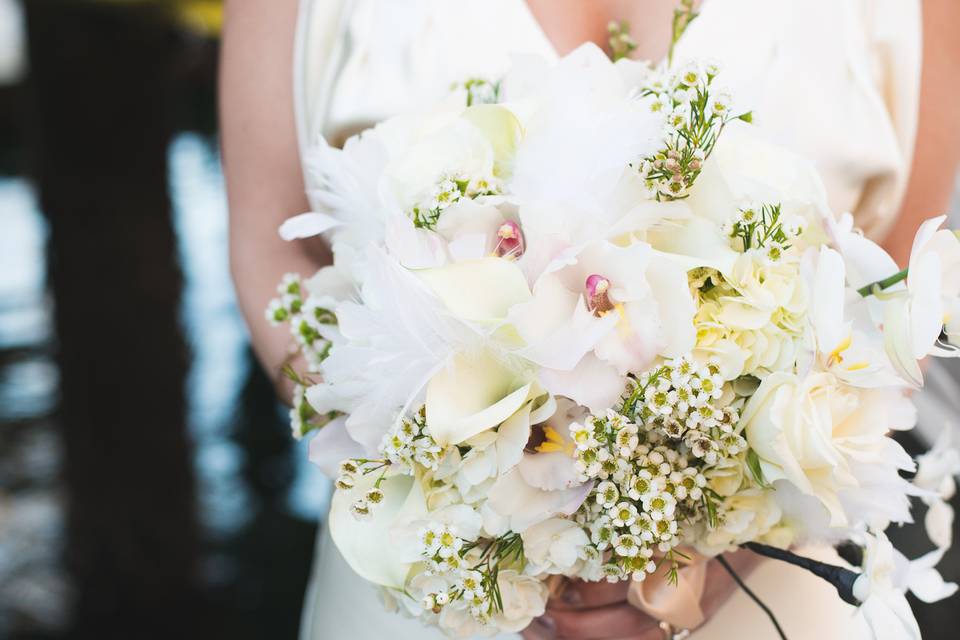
<point>678,605</point>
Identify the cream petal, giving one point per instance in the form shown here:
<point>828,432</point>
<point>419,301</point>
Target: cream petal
<point>331,445</point>
<point>367,546</point>
<point>557,326</point>
<point>695,242</point>
<point>926,306</point>
<point>898,343</point>
<point>525,505</point>
<point>512,437</point>
<point>473,394</point>
<point>939,523</point>
<point>592,383</point>
<point>501,129</point>
<point>548,471</point>
<point>479,290</point>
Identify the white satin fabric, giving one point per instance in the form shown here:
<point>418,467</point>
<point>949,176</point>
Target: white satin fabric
<point>836,80</point>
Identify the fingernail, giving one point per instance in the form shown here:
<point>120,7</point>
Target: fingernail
<point>547,623</point>
<point>571,597</point>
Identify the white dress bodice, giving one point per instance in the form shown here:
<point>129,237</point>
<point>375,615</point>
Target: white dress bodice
<point>835,80</point>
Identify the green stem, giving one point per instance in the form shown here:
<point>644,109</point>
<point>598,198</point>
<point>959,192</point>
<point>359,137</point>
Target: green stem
<point>880,285</point>
<point>682,17</point>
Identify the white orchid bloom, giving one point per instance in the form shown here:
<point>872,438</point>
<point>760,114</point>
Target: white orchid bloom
<point>525,505</point>
<point>842,336</point>
<point>887,575</point>
<point>623,305</point>
<point>551,466</point>
<point>494,452</point>
<point>915,317</point>
<point>936,475</point>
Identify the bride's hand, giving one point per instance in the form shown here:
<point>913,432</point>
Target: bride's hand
<point>593,611</point>
<point>600,611</point>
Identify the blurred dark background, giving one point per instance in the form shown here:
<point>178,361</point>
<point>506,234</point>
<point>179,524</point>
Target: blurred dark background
<point>149,487</point>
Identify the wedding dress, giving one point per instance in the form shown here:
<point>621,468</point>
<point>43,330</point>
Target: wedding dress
<point>835,80</point>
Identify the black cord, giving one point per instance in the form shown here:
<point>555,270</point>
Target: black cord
<point>840,577</point>
<point>753,596</point>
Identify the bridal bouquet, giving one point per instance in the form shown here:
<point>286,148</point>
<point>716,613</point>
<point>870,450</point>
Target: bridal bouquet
<point>585,322</point>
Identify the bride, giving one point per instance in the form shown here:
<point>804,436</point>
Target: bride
<point>839,81</point>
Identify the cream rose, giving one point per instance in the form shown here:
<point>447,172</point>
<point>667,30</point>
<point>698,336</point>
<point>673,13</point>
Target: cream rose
<point>816,432</point>
<point>524,598</point>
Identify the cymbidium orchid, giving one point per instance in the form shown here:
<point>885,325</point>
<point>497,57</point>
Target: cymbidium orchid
<point>914,318</point>
<point>840,323</point>
<point>882,588</point>
<point>608,311</point>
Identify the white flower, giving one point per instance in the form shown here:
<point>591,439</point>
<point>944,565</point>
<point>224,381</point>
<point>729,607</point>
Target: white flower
<point>623,514</point>
<point>884,609</point>
<point>846,339</point>
<point>569,186</point>
<point>829,440</point>
<point>886,578</point>
<point>402,328</point>
<point>914,317</point>
<point>607,494</point>
<point>555,545</point>
<point>936,472</point>
<point>623,305</point>
<point>746,516</point>
<point>525,505</point>
<point>524,598</point>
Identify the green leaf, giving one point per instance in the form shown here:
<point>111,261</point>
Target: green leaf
<point>753,463</point>
<point>746,117</point>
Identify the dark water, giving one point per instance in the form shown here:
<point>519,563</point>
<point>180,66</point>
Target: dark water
<point>258,497</point>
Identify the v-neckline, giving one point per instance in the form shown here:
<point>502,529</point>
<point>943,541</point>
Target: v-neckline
<point>535,23</point>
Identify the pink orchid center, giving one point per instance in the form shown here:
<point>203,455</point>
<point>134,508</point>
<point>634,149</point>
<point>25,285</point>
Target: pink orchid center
<point>510,242</point>
<point>598,297</point>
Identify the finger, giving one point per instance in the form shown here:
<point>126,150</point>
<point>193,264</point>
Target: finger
<point>578,594</point>
<point>539,629</point>
<point>601,623</point>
